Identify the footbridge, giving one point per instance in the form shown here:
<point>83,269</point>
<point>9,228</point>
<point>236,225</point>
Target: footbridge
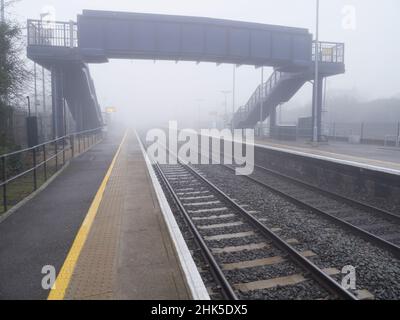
<point>66,48</point>
<point>283,84</point>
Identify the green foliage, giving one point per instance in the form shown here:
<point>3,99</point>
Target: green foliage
<point>13,79</point>
<point>13,72</point>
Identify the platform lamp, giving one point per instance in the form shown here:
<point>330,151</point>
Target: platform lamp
<point>233,97</point>
<point>225,93</point>
<point>199,101</point>
<point>261,102</point>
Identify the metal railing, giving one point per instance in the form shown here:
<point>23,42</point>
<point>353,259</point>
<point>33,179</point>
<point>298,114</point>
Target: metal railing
<point>54,33</point>
<point>260,93</point>
<point>329,52</point>
<point>23,171</point>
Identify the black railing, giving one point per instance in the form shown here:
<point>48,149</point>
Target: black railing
<point>260,94</point>
<point>54,34</point>
<point>23,171</point>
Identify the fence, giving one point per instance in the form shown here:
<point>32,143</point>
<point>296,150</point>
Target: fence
<point>52,33</point>
<point>366,132</point>
<point>23,171</point>
<point>387,134</point>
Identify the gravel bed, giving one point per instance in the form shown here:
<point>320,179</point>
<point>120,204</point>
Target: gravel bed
<point>247,255</point>
<point>201,264</point>
<point>318,200</point>
<point>302,291</point>
<point>260,273</point>
<point>249,274</point>
<point>377,270</point>
<point>357,195</point>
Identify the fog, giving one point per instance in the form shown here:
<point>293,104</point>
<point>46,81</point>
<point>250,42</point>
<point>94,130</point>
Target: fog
<point>147,91</point>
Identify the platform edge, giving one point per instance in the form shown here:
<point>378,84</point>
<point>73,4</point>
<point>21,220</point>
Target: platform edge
<point>193,279</point>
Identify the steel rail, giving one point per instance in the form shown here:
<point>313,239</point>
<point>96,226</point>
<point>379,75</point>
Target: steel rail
<point>363,233</point>
<point>361,205</point>
<point>322,278</point>
<point>227,289</point>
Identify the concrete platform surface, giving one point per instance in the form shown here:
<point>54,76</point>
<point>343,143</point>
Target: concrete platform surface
<point>128,253</point>
<point>41,232</point>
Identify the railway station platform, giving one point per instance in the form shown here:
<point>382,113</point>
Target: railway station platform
<point>370,156</point>
<point>102,224</point>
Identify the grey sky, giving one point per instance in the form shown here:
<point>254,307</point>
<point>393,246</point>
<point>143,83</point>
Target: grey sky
<point>166,89</point>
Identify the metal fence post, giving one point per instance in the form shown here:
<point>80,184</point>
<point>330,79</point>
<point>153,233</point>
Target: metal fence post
<point>334,131</point>
<point>72,141</point>
<point>362,132</point>
<point>4,163</point>
<point>65,35</point>
<point>44,163</point>
<point>398,134</point>
<point>56,154</point>
<point>34,169</point>
<point>71,34</point>
<point>63,146</point>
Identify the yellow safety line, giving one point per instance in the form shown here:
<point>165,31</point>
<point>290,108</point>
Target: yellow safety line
<point>65,274</point>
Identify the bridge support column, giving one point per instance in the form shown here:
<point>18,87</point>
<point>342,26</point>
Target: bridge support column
<point>58,103</point>
<point>317,112</point>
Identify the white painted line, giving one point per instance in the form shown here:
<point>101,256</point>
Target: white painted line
<point>192,275</point>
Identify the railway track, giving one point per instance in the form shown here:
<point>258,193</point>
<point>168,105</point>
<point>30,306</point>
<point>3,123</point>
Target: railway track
<point>246,258</point>
<point>375,225</point>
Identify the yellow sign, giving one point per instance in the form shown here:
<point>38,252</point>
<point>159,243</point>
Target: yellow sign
<point>111,110</point>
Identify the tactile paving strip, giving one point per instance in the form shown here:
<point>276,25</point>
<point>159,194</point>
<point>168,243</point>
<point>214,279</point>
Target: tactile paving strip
<point>128,253</point>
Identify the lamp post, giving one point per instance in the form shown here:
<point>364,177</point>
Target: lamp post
<point>261,101</point>
<point>199,101</point>
<point>233,97</point>
<point>316,54</point>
